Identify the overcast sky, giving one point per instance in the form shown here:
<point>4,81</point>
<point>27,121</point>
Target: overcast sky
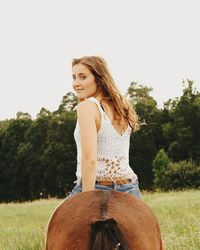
<point>155,43</point>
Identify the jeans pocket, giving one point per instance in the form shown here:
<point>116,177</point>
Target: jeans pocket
<point>136,193</point>
<point>131,188</point>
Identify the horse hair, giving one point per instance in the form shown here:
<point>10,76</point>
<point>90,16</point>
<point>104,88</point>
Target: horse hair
<point>106,235</point>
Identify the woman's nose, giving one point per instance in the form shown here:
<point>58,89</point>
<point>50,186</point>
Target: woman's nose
<point>75,84</point>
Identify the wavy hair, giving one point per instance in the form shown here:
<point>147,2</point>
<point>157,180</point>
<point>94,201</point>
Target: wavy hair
<point>106,85</point>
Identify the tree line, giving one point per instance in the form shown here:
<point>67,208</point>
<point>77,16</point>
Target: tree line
<point>38,157</point>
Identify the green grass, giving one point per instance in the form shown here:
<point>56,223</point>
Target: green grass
<point>178,214</point>
<point>22,225</point>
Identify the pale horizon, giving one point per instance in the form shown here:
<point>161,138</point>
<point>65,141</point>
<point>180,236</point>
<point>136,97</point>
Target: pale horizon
<point>153,43</point>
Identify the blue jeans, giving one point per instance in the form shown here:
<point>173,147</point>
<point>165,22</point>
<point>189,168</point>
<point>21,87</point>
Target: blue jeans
<point>131,188</point>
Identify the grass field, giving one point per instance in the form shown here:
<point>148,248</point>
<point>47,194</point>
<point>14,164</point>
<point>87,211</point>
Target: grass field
<point>22,225</point>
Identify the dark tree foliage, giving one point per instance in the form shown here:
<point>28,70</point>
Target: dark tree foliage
<point>145,142</point>
<point>14,181</point>
<point>38,157</point>
<point>181,132</point>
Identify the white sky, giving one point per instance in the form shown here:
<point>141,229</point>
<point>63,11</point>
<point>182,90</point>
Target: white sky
<point>155,43</point>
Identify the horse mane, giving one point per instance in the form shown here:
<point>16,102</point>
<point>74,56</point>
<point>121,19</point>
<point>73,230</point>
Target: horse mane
<point>106,235</point>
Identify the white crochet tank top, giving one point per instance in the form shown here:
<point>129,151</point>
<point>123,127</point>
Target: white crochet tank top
<point>112,150</point>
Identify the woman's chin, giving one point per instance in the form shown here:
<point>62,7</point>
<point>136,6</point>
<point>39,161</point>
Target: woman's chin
<point>81,97</point>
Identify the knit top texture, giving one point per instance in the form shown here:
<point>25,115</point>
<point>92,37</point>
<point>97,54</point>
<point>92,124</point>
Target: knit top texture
<point>112,150</point>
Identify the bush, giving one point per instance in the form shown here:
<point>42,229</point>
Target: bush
<point>170,175</point>
<point>181,175</point>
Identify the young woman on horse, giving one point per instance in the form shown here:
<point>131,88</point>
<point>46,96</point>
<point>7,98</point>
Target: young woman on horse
<point>105,121</point>
<point>101,219</point>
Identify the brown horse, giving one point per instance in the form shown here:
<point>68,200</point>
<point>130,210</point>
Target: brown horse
<point>103,220</point>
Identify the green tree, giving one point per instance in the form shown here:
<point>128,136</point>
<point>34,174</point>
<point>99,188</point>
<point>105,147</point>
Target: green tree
<point>14,183</point>
<point>33,150</point>
<point>182,131</point>
<point>43,113</point>
<point>68,103</point>
<point>143,144</point>
<point>160,166</point>
<point>59,158</point>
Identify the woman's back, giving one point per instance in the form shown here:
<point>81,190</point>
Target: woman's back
<point>112,149</point>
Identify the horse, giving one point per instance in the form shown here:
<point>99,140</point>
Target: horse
<point>103,220</point>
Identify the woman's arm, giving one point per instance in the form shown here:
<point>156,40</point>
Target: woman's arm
<point>88,133</point>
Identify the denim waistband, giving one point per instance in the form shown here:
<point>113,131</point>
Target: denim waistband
<point>79,182</point>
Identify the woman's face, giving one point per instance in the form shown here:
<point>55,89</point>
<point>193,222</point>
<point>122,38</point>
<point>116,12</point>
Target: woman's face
<point>83,81</point>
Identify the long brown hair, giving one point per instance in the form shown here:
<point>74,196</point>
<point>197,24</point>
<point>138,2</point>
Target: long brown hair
<point>106,85</point>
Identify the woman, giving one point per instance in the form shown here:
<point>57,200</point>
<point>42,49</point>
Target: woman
<point>102,134</point>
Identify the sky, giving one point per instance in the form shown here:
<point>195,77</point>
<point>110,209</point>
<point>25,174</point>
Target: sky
<point>154,43</point>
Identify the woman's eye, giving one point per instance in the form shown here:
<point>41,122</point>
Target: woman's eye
<point>80,77</point>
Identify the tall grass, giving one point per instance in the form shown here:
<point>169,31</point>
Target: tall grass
<point>22,225</point>
<point>178,214</point>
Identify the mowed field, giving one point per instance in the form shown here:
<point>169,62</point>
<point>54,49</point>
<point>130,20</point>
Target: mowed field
<point>22,225</point>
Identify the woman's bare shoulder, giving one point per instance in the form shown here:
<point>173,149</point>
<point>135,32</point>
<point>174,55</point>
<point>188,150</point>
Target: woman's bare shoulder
<point>86,107</point>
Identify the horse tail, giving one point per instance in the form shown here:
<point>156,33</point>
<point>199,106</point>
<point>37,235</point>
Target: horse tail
<point>106,235</point>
